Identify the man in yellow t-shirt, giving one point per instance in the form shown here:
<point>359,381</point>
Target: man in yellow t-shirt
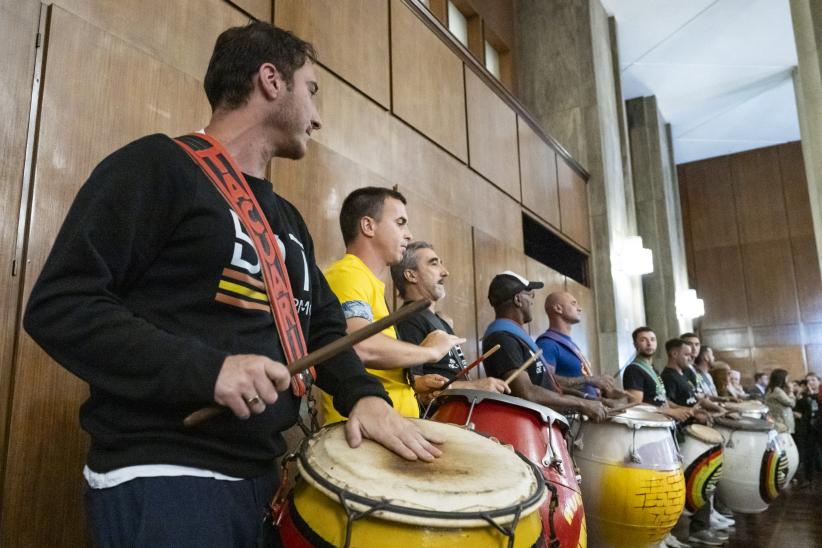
<point>374,226</point>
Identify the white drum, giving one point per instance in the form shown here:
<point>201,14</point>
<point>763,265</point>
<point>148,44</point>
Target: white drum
<point>755,467</point>
<point>752,409</point>
<point>633,488</point>
<point>791,453</point>
<point>702,457</point>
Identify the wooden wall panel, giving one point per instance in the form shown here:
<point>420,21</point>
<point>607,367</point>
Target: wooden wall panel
<point>317,185</point>
<point>813,355</point>
<point>719,272</point>
<point>726,339</point>
<point>538,169</point>
<point>419,163</point>
<point>777,335</point>
<point>353,126</point>
<point>495,212</point>
<point>710,197</point>
<point>491,257</point>
<point>553,280</point>
<point>351,38</point>
<point>427,82</point>
<point>769,282</point>
<point>18,31</point>
<point>492,136</point>
<point>42,498</point>
<point>760,203</point>
<point>259,9</point>
<point>790,358</point>
<point>585,332</point>
<point>573,205</point>
<point>180,34</point>
<point>451,238</point>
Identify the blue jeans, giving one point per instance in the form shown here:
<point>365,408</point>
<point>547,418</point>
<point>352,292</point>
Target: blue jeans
<point>182,511</point>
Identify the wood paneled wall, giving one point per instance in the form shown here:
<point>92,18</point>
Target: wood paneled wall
<point>396,112</point>
<point>752,258</point>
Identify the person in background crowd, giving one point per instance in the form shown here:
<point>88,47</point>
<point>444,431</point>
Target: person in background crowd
<point>734,388</point>
<point>808,433</point>
<point>760,385</point>
<point>703,365</point>
<point>779,401</point>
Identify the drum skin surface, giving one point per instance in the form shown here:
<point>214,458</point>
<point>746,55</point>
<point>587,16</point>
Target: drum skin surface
<point>702,456</point>
<point>411,503</point>
<point>755,468</point>
<point>632,480</point>
<point>516,422</point>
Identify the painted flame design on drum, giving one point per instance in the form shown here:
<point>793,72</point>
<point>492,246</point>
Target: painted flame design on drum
<point>773,473</point>
<point>701,477</point>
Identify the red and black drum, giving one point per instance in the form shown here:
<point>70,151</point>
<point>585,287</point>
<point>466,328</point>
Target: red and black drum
<point>538,433</point>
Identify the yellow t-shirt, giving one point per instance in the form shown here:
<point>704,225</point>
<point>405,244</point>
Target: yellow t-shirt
<point>362,294</point>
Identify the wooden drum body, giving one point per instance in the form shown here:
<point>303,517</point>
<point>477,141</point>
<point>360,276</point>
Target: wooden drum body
<point>632,480</point>
<point>479,493</point>
<point>702,457</point>
<point>538,433</point>
<point>755,465</point>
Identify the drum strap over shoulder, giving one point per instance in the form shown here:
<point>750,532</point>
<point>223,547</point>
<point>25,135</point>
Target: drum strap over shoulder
<point>572,347</point>
<point>219,167</point>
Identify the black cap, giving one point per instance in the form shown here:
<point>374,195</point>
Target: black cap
<point>504,286</point>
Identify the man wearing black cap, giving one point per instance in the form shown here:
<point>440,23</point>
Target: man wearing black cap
<point>512,297</point>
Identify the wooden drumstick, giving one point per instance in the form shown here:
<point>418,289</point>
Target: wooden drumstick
<point>326,352</point>
<point>523,367</point>
<point>471,366</point>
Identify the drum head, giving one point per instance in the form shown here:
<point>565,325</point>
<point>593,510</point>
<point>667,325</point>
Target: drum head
<point>474,475</point>
<point>745,423</point>
<point>747,407</point>
<point>546,414</point>
<point>704,433</point>
<point>641,418</point>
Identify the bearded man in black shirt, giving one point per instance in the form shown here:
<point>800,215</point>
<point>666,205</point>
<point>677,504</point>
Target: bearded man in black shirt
<point>153,294</point>
<point>421,275</point>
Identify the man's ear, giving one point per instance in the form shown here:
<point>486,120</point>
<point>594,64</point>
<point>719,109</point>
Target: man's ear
<point>269,80</point>
<point>368,226</point>
<point>410,275</point>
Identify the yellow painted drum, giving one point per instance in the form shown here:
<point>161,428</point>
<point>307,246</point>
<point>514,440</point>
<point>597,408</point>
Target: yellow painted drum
<point>755,468</point>
<point>633,487</point>
<point>478,493</point>
<point>702,457</point>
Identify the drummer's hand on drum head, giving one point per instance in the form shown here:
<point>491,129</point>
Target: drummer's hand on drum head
<point>374,419</point>
<point>594,410</point>
<point>248,382</point>
<point>439,343</point>
<point>679,414</point>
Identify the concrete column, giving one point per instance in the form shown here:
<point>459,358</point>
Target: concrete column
<point>807,30</point>
<point>565,73</point>
<point>659,217</point>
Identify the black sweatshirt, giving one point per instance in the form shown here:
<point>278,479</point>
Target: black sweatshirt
<point>150,285</point>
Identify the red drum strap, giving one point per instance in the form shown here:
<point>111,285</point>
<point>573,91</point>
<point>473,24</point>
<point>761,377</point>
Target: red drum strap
<point>222,171</point>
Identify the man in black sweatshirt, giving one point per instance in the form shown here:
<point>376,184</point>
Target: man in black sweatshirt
<point>153,294</point>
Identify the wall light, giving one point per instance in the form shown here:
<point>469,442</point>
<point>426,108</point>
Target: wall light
<point>632,259</point>
<point>688,305</point>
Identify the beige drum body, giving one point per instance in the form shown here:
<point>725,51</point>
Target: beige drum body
<point>755,466</point>
<point>633,487</point>
<point>791,452</point>
<point>702,458</point>
<point>371,497</point>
